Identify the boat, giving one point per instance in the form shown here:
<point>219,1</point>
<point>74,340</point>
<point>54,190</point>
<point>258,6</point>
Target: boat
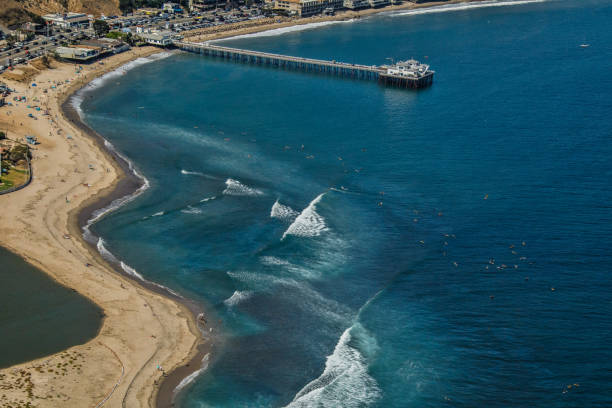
<point>585,45</point>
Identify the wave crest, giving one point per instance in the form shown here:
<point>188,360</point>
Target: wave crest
<point>236,188</point>
<point>237,297</point>
<point>282,212</point>
<point>309,223</point>
<point>345,381</point>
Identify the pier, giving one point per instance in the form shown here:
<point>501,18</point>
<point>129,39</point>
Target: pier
<point>409,75</point>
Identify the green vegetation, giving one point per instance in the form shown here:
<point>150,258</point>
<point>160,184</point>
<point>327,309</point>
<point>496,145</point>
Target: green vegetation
<point>101,27</point>
<point>118,35</point>
<point>14,167</point>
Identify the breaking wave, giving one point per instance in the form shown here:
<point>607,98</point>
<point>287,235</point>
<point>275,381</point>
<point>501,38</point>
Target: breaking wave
<point>309,223</point>
<point>236,188</point>
<point>131,271</point>
<point>284,30</point>
<point>189,379</point>
<point>345,381</point>
<point>237,297</point>
<point>119,202</point>
<point>207,199</point>
<point>283,212</point>
<point>464,6</point>
<point>106,254</point>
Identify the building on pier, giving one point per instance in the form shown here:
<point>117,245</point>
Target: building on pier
<point>404,74</point>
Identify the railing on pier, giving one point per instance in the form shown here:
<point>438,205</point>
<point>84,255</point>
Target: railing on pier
<point>355,71</point>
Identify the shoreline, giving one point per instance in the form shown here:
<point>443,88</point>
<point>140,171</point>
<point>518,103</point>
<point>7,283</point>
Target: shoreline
<point>133,383</point>
<point>126,183</point>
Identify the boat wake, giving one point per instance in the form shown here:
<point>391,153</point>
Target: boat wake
<point>236,188</point>
<point>464,6</point>
<point>345,381</point>
<point>309,223</point>
<point>196,173</point>
<point>283,212</point>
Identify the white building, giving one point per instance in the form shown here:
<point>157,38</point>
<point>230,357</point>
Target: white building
<point>171,8</point>
<point>356,4</point>
<point>162,38</point>
<point>379,3</point>
<point>77,53</point>
<point>68,20</point>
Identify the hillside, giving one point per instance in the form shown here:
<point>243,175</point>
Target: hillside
<point>15,11</point>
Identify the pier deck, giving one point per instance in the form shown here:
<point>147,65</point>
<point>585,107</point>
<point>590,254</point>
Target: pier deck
<point>356,71</point>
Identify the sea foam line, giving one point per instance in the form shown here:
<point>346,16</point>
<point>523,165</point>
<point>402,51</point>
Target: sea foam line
<point>189,379</point>
<point>284,30</point>
<point>76,101</point>
<point>463,6</point>
<point>309,223</point>
<point>119,202</point>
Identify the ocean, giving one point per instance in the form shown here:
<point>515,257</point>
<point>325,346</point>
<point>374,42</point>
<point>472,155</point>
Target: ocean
<point>362,246</point>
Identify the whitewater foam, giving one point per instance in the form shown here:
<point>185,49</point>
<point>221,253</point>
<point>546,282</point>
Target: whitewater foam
<point>345,381</point>
<point>207,199</point>
<point>309,223</point>
<point>118,202</point>
<point>236,188</point>
<point>237,297</point>
<point>463,6</point>
<point>191,210</point>
<point>131,271</point>
<point>272,260</point>
<point>284,30</point>
<point>106,254</point>
<point>189,379</point>
<point>158,214</point>
<point>282,212</point>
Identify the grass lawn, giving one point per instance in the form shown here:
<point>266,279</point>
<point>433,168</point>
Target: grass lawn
<point>15,177</point>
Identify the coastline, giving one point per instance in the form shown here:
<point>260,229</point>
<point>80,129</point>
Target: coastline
<point>160,389</point>
<point>34,213</point>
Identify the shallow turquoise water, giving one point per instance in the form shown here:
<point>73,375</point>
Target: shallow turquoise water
<point>38,316</point>
<point>366,246</point>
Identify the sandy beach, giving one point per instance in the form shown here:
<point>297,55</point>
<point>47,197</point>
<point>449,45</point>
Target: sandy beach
<point>143,329</point>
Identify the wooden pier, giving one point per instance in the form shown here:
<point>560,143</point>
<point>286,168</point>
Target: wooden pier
<point>355,71</point>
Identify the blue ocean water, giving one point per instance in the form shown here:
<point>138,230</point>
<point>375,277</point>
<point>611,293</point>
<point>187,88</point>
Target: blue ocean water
<point>366,246</point>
